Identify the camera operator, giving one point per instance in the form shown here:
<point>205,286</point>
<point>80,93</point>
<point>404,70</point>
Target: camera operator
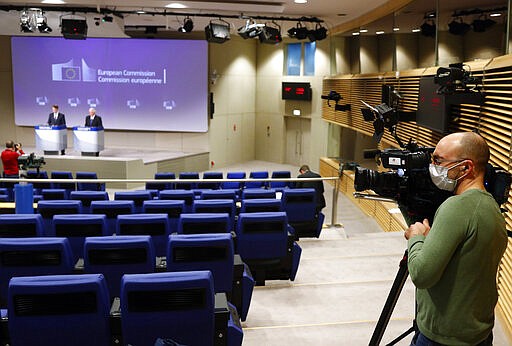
<point>454,263</point>
<point>17,147</point>
<point>10,160</point>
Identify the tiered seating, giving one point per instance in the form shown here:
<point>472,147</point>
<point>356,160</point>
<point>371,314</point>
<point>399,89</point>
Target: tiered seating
<point>261,205</point>
<point>187,175</point>
<point>138,197</point>
<point>211,175</point>
<point>220,194</point>
<point>21,225</point>
<point>217,206</point>
<point>234,185</point>
<point>68,187</point>
<point>257,184</point>
<point>204,223</point>
<point>258,193</point>
<point>155,225</point>
<point>89,186</point>
<point>184,195</point>
<point>112,209</point>
<point>173,209</point>
<point>300,206</point>
<point>4,194</point>
<point>280,185</point>
<point>86,197</point>
<point>47,209</point>
<point>162,186</point>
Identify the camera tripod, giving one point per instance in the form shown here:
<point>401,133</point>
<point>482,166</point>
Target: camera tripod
<point>391,300</point>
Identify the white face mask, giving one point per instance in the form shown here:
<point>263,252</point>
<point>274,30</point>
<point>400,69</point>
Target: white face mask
<point>439,176</point>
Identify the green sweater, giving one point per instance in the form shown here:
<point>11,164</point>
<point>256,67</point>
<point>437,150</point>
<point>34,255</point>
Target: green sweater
<point>454,269</point>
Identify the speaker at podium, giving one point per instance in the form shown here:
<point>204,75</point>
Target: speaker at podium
<point>88,140</point>
<point>51,139</point>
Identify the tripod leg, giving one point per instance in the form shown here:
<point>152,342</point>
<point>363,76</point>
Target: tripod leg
<point>391,300</point>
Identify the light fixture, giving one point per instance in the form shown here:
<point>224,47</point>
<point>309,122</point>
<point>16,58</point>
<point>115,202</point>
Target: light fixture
<point>396,28</point>
<point>300,1</point>
<point>270,35</point>
<point>497,14</point>
<point>26,24</point>
<point>217,32</point>
<point>380,32</point>
<point>188,25</point>
<point>319,33</point>
<point>250,30</point>
<point>458,27</point>
<point>41,22</point>
<point>481,25</point>
<point>356,33</point>
<point>176,5</point>
<point>416,30</point>
<point>362,31</point>
<point>299,32</point>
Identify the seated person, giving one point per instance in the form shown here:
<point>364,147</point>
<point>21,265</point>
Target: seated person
<point>305,172</point>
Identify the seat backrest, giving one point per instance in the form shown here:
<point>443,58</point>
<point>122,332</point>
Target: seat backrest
<point>261,205</point>
<point>55,194</point>
<point>47,209</point>
<point>257,175</point>
<point>233,185</point>
<point>114,256</point>
<point>187,175</point>
<point>162,186</point>
<point>173,209</point>
<point>89,186</point>
<point>216,206</point>
<point>32,257</point>
<point>155,225</point>
<point>76,227</point>
<point>138,197</point>
<point>251,193</point>
<point>262,235</point>
<point>59,310</point>
<point>180,194</point>
<point>299,204</point>
<point>280,174</point>
<point>62,175</point>
<point>211,175</point>
<point>112,209</point>
<point>219,194</point>
<point>200,223</point>
<point>40,175</point>
<point>88,196</point>
<point>178,306</point>
<point>21,225</point>
<point>213,252</point>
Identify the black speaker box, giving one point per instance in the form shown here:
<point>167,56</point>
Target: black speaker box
<point>73,28</point>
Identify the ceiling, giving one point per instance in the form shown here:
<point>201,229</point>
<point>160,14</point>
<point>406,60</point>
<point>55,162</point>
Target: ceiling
<point>333,13</point>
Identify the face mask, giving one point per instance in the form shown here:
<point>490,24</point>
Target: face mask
<point>439,176</point>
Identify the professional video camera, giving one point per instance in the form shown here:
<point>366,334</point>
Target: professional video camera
<point>454,78</point>
<point>31,161</point>
<point>336,97</point>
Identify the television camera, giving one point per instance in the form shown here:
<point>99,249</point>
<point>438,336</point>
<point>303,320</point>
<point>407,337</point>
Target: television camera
<point>336,97</point>
<point>31,161</point>
<point>455,78</point>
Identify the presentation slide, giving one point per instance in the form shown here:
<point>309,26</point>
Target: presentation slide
<point>134,84</point>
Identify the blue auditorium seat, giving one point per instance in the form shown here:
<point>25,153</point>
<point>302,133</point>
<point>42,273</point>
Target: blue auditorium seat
<point>260,205</point>
<point>89,186</point>
<point>21,225</point>
<point>213,252</point>
<point>200,223</point>
<point>47,209</point>
<point>115,256</point>
<point>180,194</point>
<point>173,209</point>
<point>264,243</point>
<point>112,209</point>
<point>187,175</point>
<point>237,185</point>
<point>77,227</point>
<point>54,194</point>
<point>38,175</point>
<point>280,185</point>
<point>137,196</point>
<point>59,310</point>
<point>4,194</point>
<point>220,194</point>
<point>211,175</point>
<point>86,197</point>
<point>155,225</point>
<point>178,306</point>
<point>9,190</point>
<point>162,186</point>
<point>33,257</point>
<point>257,184</point>
<point>300,206</point>
<point>217,206</point>
<point>66,186</point>
<point>252,193</point>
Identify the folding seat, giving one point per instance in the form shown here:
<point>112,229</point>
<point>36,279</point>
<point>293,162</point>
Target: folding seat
<point>21,225</point>
<point>172,208</point>
<point>89,186</point>
<point>200,223</point>
<point>251,193</point>
<point>59,310</point>
<point>47,209</point>
<point>137,196</point>
<point>261,205</point>
<point>38,187</point>
<point>213,252</point>
<point>265,245</point>
<point>4,195</point>
<point>300,206</point>
<point>211,175</point>
<point>217,206</point>
<point>112,209</point>
<point>162,186</point>
<point>115,256</point>
<point>155,225</point>
<point>180,306</point>
<point>54,194</point>
<point>8,195</point>
<point>187,186</point>
<point>280,185</point>
<point>180,195</point>
<point>237,185</point>
<point>86,197</point>
<point>77,227</point>
<point>66,186</point>
<point>31,257</point>
<point>257,184</point>
<point>219,194</point>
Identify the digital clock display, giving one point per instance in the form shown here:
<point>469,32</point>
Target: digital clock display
<point>296,91</point>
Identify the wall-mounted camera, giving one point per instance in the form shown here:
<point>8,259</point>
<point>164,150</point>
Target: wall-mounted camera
<point>336,97</point>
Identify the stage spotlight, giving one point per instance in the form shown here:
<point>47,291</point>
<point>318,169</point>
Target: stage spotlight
<point>458,27</point>
<point>42,24</point>
<point>428,29</point>
<point>481,25</point>
<point>188,25</point>
<point>217,33</point>
<point>270,35</point>
<point>26,22</point>
<point>319,33</point>
<point>250,30</point>
<point>299,32</point>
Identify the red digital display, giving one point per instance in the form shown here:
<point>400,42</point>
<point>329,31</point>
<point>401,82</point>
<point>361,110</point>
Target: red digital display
<point>296,91</point>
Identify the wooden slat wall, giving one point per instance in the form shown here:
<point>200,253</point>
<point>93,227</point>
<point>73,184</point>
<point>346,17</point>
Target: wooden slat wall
<point>493,119</point>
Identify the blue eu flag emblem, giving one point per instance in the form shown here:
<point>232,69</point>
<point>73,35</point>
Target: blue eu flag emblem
<point>71,73</point>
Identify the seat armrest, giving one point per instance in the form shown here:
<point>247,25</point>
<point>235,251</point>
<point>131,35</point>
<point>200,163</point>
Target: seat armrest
<point>221,320</point>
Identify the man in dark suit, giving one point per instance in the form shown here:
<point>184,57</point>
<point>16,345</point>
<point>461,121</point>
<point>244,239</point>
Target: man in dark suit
<point>56,118</point>
<point>93,120</point>
<point>305,172</point>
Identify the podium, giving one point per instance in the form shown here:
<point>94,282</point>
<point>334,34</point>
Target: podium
<point>51,139</point>
<point>88,140</point>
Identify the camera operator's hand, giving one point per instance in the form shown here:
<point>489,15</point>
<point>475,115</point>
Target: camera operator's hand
<point>417,228</point>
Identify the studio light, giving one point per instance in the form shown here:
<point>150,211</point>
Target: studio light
<point>188,25</point>
<point>319,33</point>
<point>217,32</point>
<point>26,24</point>
<point>72,28</point>
<point>299,32</point>
<point>481,25</point>
<point>270,35</point>
<point>428,29</point>
<point>42,24</point>
<point>458,27</point>
<point>250,30</point>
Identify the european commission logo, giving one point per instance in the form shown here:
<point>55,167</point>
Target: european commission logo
<point>73,72</point>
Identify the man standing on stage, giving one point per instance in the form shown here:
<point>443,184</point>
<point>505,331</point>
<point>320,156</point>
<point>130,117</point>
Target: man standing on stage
<point>93,120</point>
<point>56,118</point>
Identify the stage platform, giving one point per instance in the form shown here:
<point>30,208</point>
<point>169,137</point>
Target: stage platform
<point>125,163</point>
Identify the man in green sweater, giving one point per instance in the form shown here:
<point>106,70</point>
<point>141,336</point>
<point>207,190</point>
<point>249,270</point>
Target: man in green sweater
<point>454,263</point>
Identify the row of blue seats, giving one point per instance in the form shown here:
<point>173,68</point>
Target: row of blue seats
<point>114,256</point>
<point>75,310</point>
